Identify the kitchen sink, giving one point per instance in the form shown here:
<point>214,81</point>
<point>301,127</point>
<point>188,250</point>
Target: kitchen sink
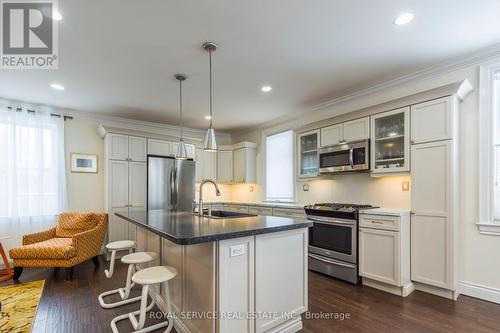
<point>224,214</point>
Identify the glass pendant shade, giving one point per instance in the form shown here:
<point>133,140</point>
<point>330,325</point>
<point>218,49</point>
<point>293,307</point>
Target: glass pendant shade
<point>210,142</point>
<point>181,151</point>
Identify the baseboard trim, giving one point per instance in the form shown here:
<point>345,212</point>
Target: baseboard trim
<point>450,294</point>
<point>481,292</point>
<point>402,291</point>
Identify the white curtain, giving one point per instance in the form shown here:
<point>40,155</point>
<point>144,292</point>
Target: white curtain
<point>32,172</point>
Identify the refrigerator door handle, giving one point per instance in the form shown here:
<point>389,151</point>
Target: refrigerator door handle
<point>175,184</point>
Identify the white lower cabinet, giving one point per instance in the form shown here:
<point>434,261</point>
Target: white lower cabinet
<point>384,252</point>
<point>380,255</point>
<point>259,210</point>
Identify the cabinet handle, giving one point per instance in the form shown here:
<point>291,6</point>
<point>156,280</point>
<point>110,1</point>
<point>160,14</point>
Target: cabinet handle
<point>412,142</point>
<point>378,222</point>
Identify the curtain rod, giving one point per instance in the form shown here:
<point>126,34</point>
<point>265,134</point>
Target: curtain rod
<point>33,111</point>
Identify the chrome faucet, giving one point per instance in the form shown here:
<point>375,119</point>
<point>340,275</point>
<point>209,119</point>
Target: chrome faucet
<point>200,202</point>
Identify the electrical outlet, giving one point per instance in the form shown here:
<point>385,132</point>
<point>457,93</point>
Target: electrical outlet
<point>405,186</point>
<point>237,250</point>
<point>251,188</point>
<point>305,187</point>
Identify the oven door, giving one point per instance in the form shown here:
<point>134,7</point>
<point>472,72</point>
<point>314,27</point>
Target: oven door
<point>345,157</point>
<point>334,238</point>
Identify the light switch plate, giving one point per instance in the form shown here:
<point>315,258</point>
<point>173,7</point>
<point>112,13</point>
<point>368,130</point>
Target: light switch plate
<point>237,250</point>
<point>305,187</point>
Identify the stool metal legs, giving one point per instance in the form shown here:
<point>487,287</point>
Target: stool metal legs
<point>109,273</point>
<point>124,293</point>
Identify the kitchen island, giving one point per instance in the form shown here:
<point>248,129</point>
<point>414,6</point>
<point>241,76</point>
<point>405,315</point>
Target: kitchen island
<point>245,274</point>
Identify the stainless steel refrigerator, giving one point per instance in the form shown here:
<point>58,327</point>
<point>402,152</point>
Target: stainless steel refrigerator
<point>170,184</point>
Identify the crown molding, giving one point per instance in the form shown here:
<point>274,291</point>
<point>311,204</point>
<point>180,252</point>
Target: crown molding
<point>110,120</point>
<point>471,59</point>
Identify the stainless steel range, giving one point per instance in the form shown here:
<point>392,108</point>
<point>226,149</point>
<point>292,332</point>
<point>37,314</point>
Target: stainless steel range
<point>333,239</point>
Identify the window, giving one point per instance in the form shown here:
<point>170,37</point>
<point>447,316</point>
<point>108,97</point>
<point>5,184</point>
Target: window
<point>279,167</point>
<point>32,172</point>
<point>489,152</point>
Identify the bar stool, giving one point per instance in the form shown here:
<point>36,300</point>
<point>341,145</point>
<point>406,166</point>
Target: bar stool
<point>132,259</point>
<point>117,246</point>
<point>147,277</point>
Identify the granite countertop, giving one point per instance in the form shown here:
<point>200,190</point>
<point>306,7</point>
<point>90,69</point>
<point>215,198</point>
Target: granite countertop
<point>385,211</point>
<point>185,228</point>
<point>260,203</point>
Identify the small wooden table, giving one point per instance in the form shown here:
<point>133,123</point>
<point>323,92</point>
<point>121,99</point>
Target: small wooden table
<point>6,273</point>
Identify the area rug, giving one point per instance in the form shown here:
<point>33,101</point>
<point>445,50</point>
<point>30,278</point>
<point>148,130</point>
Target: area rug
<point>19,305</point>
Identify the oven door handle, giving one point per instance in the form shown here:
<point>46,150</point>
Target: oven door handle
<point>330,261</point>
<point>331,222</point>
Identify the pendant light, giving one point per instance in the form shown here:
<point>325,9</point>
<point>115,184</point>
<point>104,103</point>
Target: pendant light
<point>210,142</point>
<point>181,149</point>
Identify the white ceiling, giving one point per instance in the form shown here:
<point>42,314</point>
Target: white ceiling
<point>119,56</point>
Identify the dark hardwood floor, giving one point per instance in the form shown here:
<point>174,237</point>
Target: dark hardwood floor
<point>72,306</point>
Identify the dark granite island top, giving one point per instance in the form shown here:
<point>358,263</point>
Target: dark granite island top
<point>185,228</point>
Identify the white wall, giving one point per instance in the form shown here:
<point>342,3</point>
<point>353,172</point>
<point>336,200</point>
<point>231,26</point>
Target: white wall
<point>479,262</point>
<point>85,190</point>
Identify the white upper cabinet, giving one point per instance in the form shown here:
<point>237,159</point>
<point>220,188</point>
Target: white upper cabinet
<point>198,165</point>
<point>137,150</point>
<point>356,130</point>
<point>308,147</point>
<point>117,147</point>
<point>432,120</point>
<point>126,148</point>
<point>331,135</point>
<point>353,130</point>
<point>225,166</point>
<point>244,165</point>
<point>159,147</point>
<point>209,165</point>
<point>390,144</point>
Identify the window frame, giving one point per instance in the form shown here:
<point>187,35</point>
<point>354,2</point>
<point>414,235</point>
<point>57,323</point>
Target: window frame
<point>265,134</point>
<point>486,128</point>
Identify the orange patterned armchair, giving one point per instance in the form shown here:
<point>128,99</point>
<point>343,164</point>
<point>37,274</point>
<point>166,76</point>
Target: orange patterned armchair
<point>75,238</point>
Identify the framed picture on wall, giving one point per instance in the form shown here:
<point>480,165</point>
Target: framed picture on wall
<point>86,163</point>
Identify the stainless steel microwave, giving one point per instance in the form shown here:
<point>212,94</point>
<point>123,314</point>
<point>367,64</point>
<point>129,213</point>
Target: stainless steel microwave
<point>347,157</point>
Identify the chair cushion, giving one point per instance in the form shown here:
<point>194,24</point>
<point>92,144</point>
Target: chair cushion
<point>54,248</point>
<point>69,224</point>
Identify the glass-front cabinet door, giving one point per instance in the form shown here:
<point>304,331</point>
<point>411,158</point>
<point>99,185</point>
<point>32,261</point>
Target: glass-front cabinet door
<point>390,141</point>
<point>308,147</point>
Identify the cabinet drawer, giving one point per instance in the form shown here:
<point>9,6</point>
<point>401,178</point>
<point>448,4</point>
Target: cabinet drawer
<point>379,222</point>
<point>236,208</point>
<point>260,210</point>
<point>285,212</point>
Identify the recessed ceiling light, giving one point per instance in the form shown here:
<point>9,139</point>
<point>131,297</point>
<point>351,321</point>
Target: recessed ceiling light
<point>403,19</point>
<point>266,88</point>
<point>208,117</point>
<point>57,86</point>
<point>56,15</point>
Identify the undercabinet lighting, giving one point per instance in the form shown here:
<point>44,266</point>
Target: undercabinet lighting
<point>403,19</point>
<point>57,86</point>
<point>56,15</point>
<point>266,88</point>
<point>208,117</point>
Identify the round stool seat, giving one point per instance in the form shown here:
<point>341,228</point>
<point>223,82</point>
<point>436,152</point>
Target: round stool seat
<point>120,245</point>
<point>139,257</point>
<point>156,274</point>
